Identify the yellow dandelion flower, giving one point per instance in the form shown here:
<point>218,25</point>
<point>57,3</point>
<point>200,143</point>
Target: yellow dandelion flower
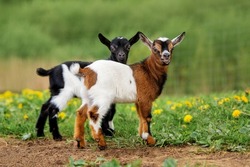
<point>8,94</point>
<point>157,111</point>
<point>220,102</point>
<point>30,94</point>
<point>189,104</point>
<point>236,97</point>
<point>27,92</point>
<point>179,105</point>
<point>173,107</point>
<point>169,102</point>
<point>8,101</point>
<point>39,94</point>
<point>20,106</point>
<point>133,108</point>
<point>187,118</point>
<point>244,99</point>
<point>204,107</point>
<point>62,115</point>
<point>25,116</point>
<point>236,113</point>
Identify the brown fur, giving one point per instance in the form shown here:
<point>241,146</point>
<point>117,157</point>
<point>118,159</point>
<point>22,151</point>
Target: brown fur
<point>98,137</point>
<point>90,77</point>
<point>79,127</point>
<point>150,76</point>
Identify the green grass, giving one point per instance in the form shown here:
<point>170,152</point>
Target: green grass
<point>212,123</point>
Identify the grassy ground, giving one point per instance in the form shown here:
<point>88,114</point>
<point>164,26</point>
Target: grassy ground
<point>217,121</point>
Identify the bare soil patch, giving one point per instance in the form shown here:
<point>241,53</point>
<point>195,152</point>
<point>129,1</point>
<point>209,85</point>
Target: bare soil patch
<point>47,152</point>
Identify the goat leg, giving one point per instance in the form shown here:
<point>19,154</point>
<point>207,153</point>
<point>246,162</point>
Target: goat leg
<point>81,117</point>
<point>54,129</point>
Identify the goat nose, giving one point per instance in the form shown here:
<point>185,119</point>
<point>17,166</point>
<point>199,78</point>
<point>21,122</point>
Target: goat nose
<point>166,54</point>
<point>122,55</point>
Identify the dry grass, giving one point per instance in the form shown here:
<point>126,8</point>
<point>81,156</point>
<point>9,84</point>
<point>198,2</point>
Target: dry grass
<point>17,74</point>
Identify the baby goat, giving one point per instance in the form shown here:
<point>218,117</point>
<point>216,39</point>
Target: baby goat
<point>64,86</point>
<point>106,82</point>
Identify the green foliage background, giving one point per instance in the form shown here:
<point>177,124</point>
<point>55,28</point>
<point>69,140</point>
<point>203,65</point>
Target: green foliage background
<point>214,56</point>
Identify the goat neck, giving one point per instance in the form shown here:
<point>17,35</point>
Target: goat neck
<point>155,66</point>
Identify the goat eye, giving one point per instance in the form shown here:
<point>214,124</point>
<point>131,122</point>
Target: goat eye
<point>113,48</point>
<point>155,50</point>
<point>127,47</point>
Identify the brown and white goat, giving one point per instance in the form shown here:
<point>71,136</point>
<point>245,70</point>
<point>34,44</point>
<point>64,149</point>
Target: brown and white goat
<point>106,82</point>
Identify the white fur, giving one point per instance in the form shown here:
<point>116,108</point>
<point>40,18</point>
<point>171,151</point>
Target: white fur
<point>165,51</point>
<point>145,135</point>
<point>163,39</point>
<point>72,86</point>
<point>111,125</point>
<point>114,80</point>
<point>96,125</point>
<point>74,68</point>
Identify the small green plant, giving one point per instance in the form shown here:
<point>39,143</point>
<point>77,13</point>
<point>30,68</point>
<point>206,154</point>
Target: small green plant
<point>170,162</point>
<point>73,163</point>
<point>102,162</point>
<point>112,163</point>
<point>80,163</point>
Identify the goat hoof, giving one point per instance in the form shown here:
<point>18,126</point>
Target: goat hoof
<point>40,134</point>
<point>57,138</point>
<point>79,145</point>
<point>151,141</point>
<point>109,132</point>
<point>102,147</point>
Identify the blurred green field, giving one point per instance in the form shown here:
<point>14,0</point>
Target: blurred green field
<point>214,56</point>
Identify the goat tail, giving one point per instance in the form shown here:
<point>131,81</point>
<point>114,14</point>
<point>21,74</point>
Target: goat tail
<point>74,68</point>
<point>42,72</point>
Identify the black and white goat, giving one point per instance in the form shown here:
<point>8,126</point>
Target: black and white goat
<point>106,82</point>
<point>64,86</point>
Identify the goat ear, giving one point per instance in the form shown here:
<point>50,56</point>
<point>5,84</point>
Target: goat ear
<point>146,40</point>
<point>177,40</point>
<point>134,39</point>
<point>104,40</point>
